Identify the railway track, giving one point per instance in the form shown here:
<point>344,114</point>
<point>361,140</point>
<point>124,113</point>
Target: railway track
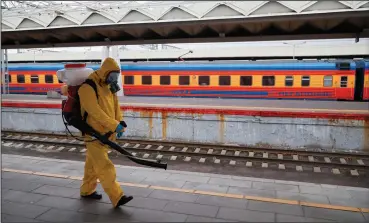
<point>354,164</point>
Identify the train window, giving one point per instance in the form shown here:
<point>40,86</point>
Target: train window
<point>305,81</point>
<point>49,79</point>
<point>34,79</point>
<point>246,80</point>
<point>9,78</point>
<point>146,80</point>
<point>268,80</point>
<point>128,79</point>
<point>204,80</point>
<point>164,80</point>
<point>224,80</point>
<point>344,81</point>
<point>20,78</point>
<point>288,81</point>
<point>328,81</point>
<point>184,80</point>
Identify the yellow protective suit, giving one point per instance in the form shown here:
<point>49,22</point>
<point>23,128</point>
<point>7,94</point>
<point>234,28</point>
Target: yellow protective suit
<point>104,115</point>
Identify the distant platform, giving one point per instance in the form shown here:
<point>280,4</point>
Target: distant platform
<point>219,104</point>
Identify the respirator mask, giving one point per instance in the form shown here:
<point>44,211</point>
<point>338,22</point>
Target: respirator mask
<point>112,81</point>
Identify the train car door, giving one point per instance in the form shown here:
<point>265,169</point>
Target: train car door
<point>344,88</point>
<point>359,80</point>
<point>366,82</point>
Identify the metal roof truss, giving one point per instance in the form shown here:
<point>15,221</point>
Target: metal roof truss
<point>130,22</point>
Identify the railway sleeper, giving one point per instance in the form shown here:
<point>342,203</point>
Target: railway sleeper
<point>190,154</point>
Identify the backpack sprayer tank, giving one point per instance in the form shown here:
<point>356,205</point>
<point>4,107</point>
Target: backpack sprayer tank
<point>74,75</point>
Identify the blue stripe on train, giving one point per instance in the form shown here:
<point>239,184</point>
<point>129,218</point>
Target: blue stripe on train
<point>229,92</point>
<point>194,67</point>
<point>307,99</point>
<point>17,88</point>
<point>32,89</point>
<point>366,65</point>
<point>32,93</point>
<point>155,96</point>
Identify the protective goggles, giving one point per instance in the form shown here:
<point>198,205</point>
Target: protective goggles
<point>112,77</point>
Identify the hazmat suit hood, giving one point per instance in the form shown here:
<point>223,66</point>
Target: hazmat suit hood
<point>107,66</point>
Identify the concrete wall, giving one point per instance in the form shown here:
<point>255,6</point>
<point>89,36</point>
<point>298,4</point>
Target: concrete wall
<point>205,128</point>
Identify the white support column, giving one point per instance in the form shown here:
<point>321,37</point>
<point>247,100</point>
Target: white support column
<point>115,55</point>
<point>105,53</point>
<point>4,72</point>
<point>7,72</point>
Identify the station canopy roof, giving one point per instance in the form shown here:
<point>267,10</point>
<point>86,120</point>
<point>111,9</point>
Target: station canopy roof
<point>31,24</point>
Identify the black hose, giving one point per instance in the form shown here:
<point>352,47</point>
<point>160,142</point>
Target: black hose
<point>84,127</point>
<point>146,162</point>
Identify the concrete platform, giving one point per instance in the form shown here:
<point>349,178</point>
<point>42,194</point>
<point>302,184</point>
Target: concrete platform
<point>47,190</point>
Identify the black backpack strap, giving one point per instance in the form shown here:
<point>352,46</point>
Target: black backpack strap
<point>93,85</point>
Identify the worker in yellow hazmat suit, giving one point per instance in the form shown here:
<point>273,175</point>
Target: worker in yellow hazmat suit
<point>104,115</point>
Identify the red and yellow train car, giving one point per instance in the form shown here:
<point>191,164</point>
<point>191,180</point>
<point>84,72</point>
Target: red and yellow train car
<point>298,80</point>
<point>33,79</point>
<point>319,80</point>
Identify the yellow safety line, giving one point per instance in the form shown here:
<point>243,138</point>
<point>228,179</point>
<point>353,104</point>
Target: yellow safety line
<point>215,106</point>
<point>364,210</point>
<point>328,206</point>
<point>237,196</point>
